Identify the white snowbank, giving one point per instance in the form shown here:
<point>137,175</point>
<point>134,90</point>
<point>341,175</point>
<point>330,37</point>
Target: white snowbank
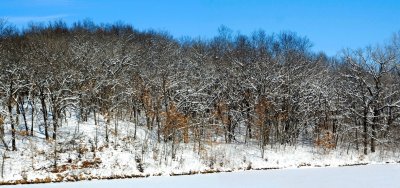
<point>370,176</point>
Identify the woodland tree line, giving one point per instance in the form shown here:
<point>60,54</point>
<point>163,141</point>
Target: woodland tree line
<point>256,89</point>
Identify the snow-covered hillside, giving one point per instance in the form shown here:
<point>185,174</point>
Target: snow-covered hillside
<point>371,176</point>
<point>77,158</point>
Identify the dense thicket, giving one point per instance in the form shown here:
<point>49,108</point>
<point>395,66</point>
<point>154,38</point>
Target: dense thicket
<point>258,89</point>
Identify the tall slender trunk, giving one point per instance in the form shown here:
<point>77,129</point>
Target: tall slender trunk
<point>356,134</point>
<point>365,133</point>
<point>2,132</point>
<point>13,145</point>
<point>94,117</point>
<point>44,111</point>
<point>374,134</point>
<point>9,105</point>
<point>32,116</point>
<point>373,142</point>
<point>55,121</point>
<point>166,103</point>
<point>248,120</point>
<point>22,111</point>
<point>18,114</point>
<point>107,123</point>
<point>158,129</point>
<point>173,143</point>
<point>1,126</point>
<point>158,122</point>
<point>136,122</point>
<point>262,138</point>
<point>229,128</point>
<point>116,128</point>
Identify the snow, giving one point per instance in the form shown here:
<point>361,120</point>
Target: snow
<point>370,176</point>
<point>34,158</point>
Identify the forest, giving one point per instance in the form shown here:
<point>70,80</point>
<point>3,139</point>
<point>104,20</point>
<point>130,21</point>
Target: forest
<point>264,90</point>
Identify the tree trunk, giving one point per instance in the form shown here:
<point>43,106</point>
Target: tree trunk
<point>44,111</point>
<point>107,123</point>
<point>116,128</point>
<point>13,145</point>
<point>365,133</point>
<point>158,123</point>
<point>94,116</point>
<point>229,128</point>
<point>136,122</point>
<point>374,125</point>
<point>55,121</point>
<point>2,132</point>
<point>1,126</point>
<point>248,117</point>
<point>373,143</point>
<point>173,144</point>
<point>262,138</point>
<point>22,111</point>
<point>32,117</point>
<point>18,114</point>
<point>357,145</point>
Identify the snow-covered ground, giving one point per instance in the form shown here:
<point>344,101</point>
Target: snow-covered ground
<point>79,159</point>
<point>370,176</point>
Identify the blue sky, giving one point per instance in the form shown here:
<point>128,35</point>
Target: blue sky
<point>330,24</point>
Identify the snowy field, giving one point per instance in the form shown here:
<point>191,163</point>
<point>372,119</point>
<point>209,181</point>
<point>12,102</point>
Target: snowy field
<point>382,176</point>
